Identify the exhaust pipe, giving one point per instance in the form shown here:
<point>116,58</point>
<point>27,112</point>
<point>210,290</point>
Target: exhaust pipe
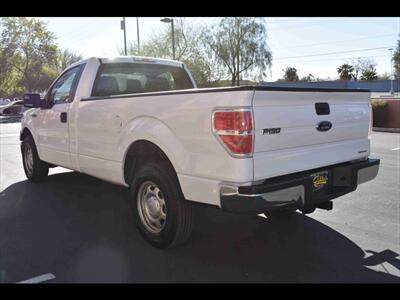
<point>325,205</point>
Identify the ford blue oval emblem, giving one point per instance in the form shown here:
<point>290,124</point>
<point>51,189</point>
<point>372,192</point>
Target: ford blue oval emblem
<point>324,126</point>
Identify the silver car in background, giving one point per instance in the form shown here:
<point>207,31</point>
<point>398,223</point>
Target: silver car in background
<point>13,108</point>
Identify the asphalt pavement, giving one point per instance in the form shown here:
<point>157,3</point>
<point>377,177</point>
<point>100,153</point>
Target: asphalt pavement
<point>75,228</point>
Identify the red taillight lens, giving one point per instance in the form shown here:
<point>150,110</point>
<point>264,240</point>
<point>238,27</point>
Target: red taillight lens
<point>233,120</point>
<point>234,128</point>
<point>238,144</point>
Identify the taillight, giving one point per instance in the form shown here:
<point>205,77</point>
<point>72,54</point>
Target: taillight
<point>234,128</point>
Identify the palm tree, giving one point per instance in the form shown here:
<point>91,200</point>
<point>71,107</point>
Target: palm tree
<point>290,74</point>
<point>369,74</point>
<point>345,72</point>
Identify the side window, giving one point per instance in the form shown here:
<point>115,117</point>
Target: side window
<point>64,86</point>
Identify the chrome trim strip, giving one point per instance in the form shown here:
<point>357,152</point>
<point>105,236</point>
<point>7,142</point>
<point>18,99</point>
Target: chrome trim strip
<point>234,132</point>
<point>367,174</point>
<point>287,194</point>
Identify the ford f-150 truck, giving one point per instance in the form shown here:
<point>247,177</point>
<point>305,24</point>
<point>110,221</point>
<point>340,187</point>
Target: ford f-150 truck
<point>142,123</point>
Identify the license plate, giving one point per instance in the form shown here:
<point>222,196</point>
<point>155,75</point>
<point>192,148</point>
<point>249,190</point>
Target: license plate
<point>320,180</point>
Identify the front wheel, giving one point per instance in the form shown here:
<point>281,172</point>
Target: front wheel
<point>164,217</point>
<point>35,169</point>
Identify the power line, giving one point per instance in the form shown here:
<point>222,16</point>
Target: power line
<point>341,58</point>
<point>76,31</point>
<point>335,42</point>
<point>83,37</point>
<point>308,24</point>
<point>332,53</point>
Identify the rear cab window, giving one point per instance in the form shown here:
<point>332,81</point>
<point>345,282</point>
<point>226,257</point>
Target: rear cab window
<point>132,78</point>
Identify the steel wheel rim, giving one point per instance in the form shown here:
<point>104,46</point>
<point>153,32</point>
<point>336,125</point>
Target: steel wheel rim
<point>151,207</point>
<point>28,158</point>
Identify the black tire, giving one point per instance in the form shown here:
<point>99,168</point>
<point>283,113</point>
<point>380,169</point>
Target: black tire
<point>40,169</point>
<point>281,214</point>
<point>178,224</point>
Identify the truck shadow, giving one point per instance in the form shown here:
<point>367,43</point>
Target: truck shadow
<point>82,230</point>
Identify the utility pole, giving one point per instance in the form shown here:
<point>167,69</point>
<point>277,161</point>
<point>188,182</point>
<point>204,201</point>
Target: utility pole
<point>137,27</point>
<point>123,27</point>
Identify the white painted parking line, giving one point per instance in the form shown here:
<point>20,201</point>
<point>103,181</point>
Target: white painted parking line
<point>398,148</point>
<point>8,135</point>
<point>39,279</point>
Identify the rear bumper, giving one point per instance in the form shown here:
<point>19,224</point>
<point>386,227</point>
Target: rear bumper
<point>296,190</point>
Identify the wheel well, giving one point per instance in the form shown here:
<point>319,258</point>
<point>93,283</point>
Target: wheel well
<point>141,152</point>
<point>26,132</point>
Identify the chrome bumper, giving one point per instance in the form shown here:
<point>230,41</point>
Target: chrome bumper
<point>295,190</point>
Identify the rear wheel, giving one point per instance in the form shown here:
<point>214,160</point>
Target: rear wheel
<point>281,214</point>
<point>164,217</point>
<point>35,169</point>
<point>151,207</point>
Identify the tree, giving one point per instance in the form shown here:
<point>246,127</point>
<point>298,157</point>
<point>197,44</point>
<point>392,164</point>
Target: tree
<point>369,73</point>
<point>308,78</point>
<point>345,72</point>
<point>66,58</point>
<point>188,47</point>
<point>28,55</point>
<point>396,60</point>
<point>239,44</point>
<point>290,74</point>
<point>361,64</point>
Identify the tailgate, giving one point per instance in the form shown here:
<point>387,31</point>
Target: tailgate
<point>295,132</point>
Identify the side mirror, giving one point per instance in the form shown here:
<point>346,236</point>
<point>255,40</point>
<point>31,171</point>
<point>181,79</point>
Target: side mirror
<point>32,100</point>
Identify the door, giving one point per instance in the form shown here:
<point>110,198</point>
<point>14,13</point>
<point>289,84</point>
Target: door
<point>54,128</point>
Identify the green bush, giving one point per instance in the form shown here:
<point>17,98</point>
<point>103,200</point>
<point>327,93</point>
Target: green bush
<point>378,103</point>
<point>379,111</point>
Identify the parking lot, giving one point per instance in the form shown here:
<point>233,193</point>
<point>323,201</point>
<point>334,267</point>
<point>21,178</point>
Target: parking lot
<point>81,229</point>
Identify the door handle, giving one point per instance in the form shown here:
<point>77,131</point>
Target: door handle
<point>63,117</point>
<point>322,108</point>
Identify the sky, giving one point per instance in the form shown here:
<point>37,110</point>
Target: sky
<point>313,45</point>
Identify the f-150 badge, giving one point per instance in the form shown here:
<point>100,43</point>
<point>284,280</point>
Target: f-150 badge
<point>271,130</point>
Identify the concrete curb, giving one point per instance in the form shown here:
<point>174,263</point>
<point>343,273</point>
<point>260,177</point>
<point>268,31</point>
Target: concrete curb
<point>381,129</point>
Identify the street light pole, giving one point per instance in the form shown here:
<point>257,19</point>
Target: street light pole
<point>123,27</point>
<point>137,27</point>
<point>391,71</point>
<point>173,39</point>
<point>170,20</point>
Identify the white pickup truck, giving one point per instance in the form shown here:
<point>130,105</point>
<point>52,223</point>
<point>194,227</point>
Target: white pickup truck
<point>142,123</point>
